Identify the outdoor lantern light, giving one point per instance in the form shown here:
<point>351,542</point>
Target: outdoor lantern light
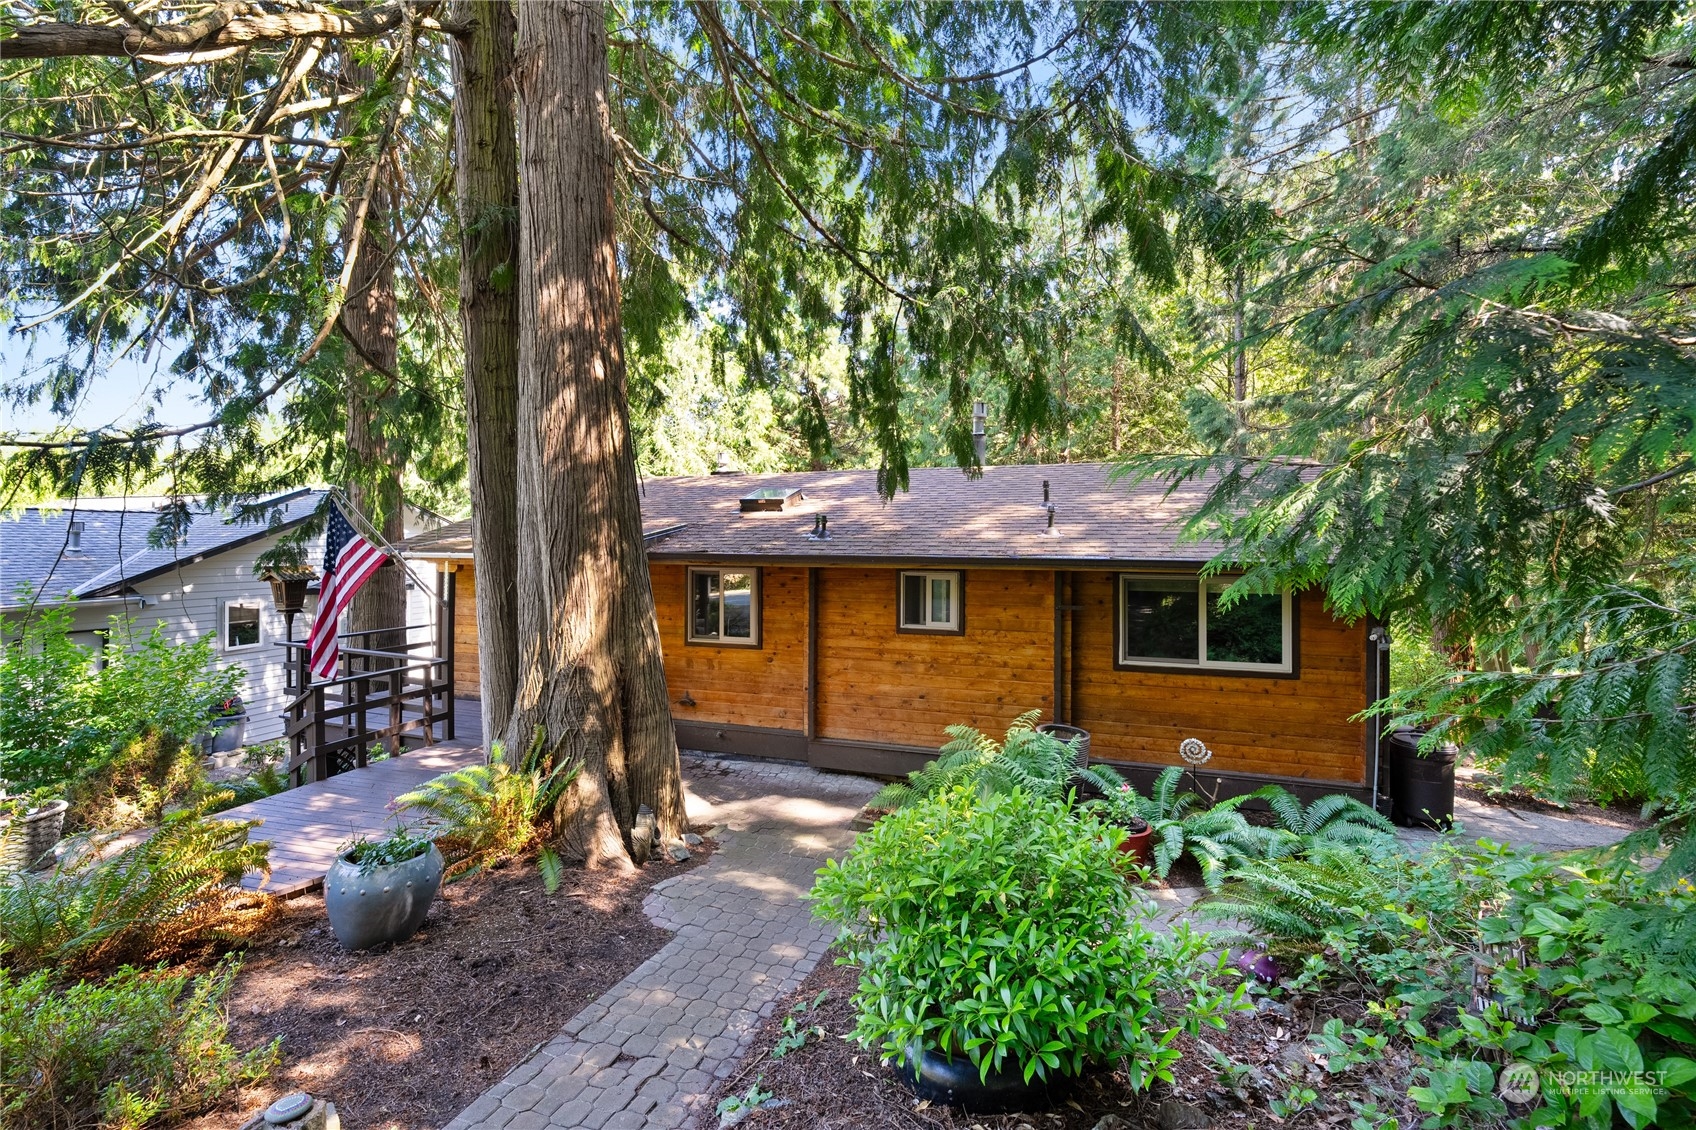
<point>288,593</point>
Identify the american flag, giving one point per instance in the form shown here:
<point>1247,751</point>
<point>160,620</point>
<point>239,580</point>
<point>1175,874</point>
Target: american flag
<point>348,561</point>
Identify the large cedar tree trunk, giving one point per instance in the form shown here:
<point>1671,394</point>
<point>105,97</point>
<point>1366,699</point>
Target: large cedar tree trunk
<point>486,178</point>
<point>368,322</point>
<point>589,674</point>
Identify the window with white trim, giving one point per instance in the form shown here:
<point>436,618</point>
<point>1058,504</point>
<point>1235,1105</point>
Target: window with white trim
<point>724,607</point>
<point>930,602</point>
<point>1180,622</point>
<point>241,625</point>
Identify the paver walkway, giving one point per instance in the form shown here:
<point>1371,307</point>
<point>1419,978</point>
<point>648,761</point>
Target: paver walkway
<point>650,1049</point>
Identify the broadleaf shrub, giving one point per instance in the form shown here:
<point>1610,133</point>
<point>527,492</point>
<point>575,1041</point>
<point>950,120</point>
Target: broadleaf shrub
<point>999,927</point>
<point>138,1049</point>
<point>108,734</point>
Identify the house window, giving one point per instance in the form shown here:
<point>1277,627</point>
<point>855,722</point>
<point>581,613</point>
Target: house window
<point>1179,622</point>
<point>724,607</point>
<point>930,602</point>
<point>241,625</point>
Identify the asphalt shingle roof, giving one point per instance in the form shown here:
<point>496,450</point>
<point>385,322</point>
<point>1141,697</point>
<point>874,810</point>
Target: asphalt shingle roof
<point>115,551</point>
<point>945,517</point>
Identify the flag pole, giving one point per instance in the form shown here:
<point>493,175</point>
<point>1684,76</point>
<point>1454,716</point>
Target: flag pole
<point>369,530</point>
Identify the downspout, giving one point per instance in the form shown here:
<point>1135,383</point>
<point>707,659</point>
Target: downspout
<point>811,690</point>
<point>1059,649</point>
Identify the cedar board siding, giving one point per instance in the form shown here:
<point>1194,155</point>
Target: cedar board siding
<point>467,678</point>
<point>729,685</point>
<point>1284,727</point>
<point>878,685</point>
<point>882,687</point>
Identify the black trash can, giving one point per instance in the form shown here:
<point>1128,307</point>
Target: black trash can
<point>1422,789</point>
<point>1077,738</point>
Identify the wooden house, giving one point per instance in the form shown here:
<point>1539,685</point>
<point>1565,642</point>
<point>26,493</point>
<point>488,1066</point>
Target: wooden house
<point>804,617</point>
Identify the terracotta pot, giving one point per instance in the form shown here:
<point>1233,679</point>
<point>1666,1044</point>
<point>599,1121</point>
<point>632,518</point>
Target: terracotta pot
<point>1138,843</point>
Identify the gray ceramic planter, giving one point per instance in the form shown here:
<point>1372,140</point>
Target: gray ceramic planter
<point>385,904</point>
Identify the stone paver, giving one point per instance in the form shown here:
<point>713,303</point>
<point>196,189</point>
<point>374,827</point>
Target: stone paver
<point>652,1047</point>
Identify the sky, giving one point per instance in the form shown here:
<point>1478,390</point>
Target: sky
<point>120,395</point>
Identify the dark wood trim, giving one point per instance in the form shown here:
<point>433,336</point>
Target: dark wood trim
<point>1141,774</point>
<point>758,643</point>
<point>752,741</point>
<point>1197,668</point>
<point>908,630</point>
<point>812,684</point>
<point>869,759</point>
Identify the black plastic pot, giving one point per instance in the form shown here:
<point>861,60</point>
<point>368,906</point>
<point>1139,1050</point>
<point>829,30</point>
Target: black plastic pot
<point>1422,788</point>
<point>1061,732</point>
<point>955,1081</point>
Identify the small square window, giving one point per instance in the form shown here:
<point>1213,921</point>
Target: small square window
<point>930,602</point>
<point>724,607</point>
<point>241,626</point>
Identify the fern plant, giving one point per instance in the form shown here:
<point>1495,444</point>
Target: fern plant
<point>1332,819</point>
<point>1038,765</point>
<point>145,903</point>
<point>1217,836</point>
<point>487,813</point>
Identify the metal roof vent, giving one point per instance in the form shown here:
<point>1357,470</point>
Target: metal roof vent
<point>772,498</point>
<point>726,465</point>
<point>73,538</point>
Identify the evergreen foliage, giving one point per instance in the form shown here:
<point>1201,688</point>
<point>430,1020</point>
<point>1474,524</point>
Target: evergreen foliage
<point>1032,762</point>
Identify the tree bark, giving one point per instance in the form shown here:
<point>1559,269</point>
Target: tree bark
<point>224,29</point>
<point>590,677</point>
<point>486,179</point>
<point>368,322</point>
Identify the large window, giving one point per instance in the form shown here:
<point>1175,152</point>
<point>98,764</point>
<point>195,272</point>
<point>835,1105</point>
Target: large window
<point>1180,622</point>
<point>930,602</point>
<point>724,607</point>
<point>241,625</point>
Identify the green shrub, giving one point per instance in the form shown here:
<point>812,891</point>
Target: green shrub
<point>108,734</point>
<point>486,813</point>
<point>1469,957</point>
<point>138,1049</point>
<point>144,903</point>
<point>999,927</point>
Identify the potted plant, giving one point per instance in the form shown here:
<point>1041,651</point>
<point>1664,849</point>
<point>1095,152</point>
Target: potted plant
<point>1122,808</point>
<point>30,826</point>
<point>229,726</point>
<point>1001,953</point>
<point>378,891</point>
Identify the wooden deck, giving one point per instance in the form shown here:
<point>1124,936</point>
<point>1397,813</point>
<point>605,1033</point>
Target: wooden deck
<point>307,826</point>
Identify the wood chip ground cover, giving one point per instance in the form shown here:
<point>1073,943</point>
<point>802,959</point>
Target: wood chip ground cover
<point>404,1039</point>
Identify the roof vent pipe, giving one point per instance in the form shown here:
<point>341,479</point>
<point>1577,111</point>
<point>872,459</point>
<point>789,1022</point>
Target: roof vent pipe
<point>73,538</point>
<point>980,438</point>
<point>1045,492</point>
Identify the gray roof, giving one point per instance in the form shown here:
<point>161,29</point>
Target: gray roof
<point>944,518</point>
<point>115,552</point>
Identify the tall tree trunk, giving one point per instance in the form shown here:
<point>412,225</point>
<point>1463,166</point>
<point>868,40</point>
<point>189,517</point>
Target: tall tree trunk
<point>1118,392</point>
<point>1239,356</point>
<point>368,323</point>
<point>486,178</point>
<point>590,677</point>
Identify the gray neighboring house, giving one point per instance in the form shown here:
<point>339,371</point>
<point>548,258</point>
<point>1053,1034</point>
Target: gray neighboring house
<point>95,555</point>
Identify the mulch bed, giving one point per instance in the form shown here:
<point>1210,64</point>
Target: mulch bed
<point>405,1038</point>
<point>833,1084</point>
